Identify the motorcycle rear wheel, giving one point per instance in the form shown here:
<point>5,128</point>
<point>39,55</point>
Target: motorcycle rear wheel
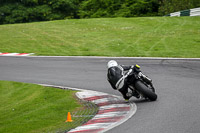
<point>142,88</point>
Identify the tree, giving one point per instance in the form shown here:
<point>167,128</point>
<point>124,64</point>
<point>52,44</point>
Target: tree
<point>169,6</point>
<point>19,11</point>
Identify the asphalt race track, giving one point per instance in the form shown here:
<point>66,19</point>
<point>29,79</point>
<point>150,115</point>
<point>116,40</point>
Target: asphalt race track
<point>177,84</point>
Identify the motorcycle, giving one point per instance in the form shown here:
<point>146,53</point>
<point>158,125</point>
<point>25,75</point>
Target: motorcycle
<point>140,85</point>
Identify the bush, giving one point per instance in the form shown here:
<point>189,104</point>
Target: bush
<point>14,11</point>
<point>117,8</point>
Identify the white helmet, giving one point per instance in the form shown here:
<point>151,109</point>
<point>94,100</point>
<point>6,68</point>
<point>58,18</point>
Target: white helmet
<point>112,63</point>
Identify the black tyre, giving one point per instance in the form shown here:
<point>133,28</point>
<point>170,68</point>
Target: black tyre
<point>142,88</point>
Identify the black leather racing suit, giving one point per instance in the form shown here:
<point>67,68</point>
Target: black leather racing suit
<point>115,74</point>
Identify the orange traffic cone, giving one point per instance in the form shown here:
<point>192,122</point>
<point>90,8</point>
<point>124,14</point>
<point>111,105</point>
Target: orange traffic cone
<point>69,119</point>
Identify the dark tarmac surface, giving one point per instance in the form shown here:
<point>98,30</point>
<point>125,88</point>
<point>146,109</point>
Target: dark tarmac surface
<point>177,84</point>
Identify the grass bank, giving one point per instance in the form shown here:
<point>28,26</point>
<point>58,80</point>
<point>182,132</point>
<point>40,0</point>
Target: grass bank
<point>34,108</point>
<point>143,36</point>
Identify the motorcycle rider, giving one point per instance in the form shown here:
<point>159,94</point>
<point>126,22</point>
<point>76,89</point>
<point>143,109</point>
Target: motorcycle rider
<point>119,80</point>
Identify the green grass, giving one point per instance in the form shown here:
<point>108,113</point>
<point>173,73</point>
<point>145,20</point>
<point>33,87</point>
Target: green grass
<point>34,108</point>
<point>143,36</point>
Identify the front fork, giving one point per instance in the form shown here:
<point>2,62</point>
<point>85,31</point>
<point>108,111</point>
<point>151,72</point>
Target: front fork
<point>145,78</point>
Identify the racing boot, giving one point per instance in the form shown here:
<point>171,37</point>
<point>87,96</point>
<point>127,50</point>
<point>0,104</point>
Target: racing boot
<point>127,96</point>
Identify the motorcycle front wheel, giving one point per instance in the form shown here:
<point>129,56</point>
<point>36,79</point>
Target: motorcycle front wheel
<point>148,93</point>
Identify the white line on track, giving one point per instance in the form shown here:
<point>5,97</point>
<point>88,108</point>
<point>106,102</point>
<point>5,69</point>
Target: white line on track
<point>102,57</point>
